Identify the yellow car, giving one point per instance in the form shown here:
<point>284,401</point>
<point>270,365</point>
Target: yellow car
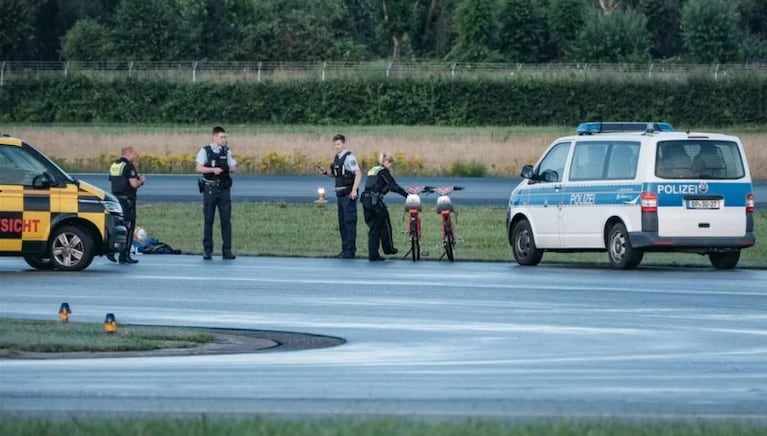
<point>48,217</point>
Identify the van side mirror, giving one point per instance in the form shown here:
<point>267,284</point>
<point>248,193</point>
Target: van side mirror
<point>550,176</point>
<point>43,181</point>
<point>527,172</point>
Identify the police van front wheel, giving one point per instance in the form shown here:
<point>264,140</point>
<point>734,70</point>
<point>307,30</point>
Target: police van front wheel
<point>622,254</point>
<point>71,249</point>
<point>42,263</point>
<point>523,244</point>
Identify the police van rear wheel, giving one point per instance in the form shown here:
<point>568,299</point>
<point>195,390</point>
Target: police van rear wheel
<point>622,254</point>
<point>71,249</point>
<point>42,263</point>
<point>728,260</point>
<point>523,244</point>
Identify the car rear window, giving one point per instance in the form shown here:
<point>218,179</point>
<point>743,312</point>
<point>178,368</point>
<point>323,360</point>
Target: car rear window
<point>698,159</point>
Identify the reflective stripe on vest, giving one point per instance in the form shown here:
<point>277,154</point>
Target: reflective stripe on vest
<point>116,170</point>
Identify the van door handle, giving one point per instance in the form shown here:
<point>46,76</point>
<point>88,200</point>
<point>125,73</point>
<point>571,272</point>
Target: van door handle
<point>557,187</point>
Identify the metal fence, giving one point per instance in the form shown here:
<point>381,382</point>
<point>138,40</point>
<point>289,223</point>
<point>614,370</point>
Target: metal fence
<point>198,71</point>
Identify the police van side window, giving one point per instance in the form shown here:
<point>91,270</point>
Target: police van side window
<point>552,166</point>
<point>623,160</point>
<point>588,161</point>
<point>18,167</point>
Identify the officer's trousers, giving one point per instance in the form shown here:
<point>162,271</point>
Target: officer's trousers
<point>379,225</point>
<point>214,197</point>
<point>347,225</point>
<point>128,205</point>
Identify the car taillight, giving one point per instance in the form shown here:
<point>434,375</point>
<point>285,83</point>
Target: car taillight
<point>649,202</point>
<point>749,203</point>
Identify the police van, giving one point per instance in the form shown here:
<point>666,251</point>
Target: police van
<point>51,219</point>
<point>631,193</point>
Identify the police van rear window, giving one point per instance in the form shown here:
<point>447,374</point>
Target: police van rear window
<point>698,159</point>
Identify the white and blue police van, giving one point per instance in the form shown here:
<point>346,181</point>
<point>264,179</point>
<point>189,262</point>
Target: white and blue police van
<point>631,193</point>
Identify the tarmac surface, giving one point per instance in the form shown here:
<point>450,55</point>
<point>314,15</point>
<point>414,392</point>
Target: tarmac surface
<point>428,339</point>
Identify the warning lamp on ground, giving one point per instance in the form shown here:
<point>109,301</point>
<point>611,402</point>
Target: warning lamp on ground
<point>64,312</point>
<point>321,196</point>
<point>110,324</point>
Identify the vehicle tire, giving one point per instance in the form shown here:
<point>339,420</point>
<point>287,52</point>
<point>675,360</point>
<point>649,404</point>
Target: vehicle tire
<point>71,249</point>
<point>449,241</point>
<point>622,254</point>
<point>41,263</point>
<point>727,260</point>
<point>523,244</point>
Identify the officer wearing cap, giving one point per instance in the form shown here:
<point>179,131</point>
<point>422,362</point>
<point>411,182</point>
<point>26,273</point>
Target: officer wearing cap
<point>216,163</point>
<point>125,182</point>
<point>378,183</point>
<point>347,175</point>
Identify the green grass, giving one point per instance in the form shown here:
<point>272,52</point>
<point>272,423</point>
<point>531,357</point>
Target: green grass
<point>360,427</point>
<point>308,230</point>
<point>19,335</point>
<point>323,132</point>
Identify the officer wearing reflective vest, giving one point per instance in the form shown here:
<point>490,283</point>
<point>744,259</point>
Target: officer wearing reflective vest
<point>378,183</point>
<point>125,182</point>
<point>216,163</point>
<point>347,175</point>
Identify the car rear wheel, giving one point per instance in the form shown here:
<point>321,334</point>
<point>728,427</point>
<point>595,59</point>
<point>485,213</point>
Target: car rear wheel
<point>727,260</point>
<point>36,262</point>
<point>71,249</point>
<point>523,244</point>
<point>622,254</point>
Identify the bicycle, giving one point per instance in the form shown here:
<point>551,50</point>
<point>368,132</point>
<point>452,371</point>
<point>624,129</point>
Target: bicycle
<point>446,211</point>
<point>413,210</point>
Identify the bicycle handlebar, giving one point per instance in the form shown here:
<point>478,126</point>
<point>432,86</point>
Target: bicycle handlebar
<point>441,190</point>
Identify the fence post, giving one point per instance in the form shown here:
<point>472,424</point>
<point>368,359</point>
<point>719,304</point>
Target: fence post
<point>2,73</point>
<point>130,69</point>
<point>716,72</point>
<point>258,76</point>
<point>66,68</point>
<point>452,71</point>
<point>388,69</point>
<point>324,67</point>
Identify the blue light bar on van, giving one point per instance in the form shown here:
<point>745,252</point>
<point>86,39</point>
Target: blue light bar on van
<point>592,127</point>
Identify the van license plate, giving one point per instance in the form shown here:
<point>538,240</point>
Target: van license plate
<point>702,204</point>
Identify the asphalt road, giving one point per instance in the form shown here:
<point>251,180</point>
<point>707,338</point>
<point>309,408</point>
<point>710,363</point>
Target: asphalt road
<point>426,339</point>
<point>482,191</point>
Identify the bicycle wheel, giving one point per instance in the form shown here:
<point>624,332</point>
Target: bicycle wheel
<point>449,240</point>
<point>415,245</point>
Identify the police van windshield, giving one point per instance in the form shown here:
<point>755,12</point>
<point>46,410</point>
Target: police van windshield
<point>698,159</point>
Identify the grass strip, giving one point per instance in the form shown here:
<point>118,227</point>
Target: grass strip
<point>23,335</point>
<point>309,230</point>
<point>16,425</point>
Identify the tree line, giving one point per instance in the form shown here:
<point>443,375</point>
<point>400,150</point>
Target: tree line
<point>524,31</point>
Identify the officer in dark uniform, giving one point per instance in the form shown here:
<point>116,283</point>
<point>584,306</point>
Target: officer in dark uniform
<point>125,182</point>
<point>378,183</point>
<point>347,175</point>
<point>216,163</point>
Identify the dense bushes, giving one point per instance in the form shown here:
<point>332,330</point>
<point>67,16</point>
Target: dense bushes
<point>696,101</point>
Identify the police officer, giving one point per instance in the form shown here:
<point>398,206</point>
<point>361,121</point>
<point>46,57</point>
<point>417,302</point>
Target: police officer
<point>216,163</point>
<point>125,182</point>
<point>347,175</point>
<point>378,183</point>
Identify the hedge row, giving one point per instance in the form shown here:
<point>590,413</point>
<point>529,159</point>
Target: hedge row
<point>695,101</point>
